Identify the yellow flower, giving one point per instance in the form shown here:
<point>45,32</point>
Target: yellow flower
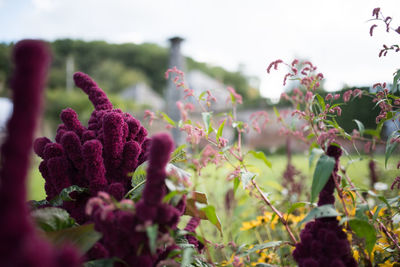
<point>249,225</point>
<point>388,264</point>
<point>356,255</point>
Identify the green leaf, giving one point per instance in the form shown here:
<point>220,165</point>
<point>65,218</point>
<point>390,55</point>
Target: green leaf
<point>220,129</point>
<point>52,219</point>
<point>38,203</point>
<point>246,177</point>
<point>272,244</point>
<point>209,210</point>
<point>276,112</point>
<point>395,80</point>
<point>83,237</point>
<point>152,233</point>
<point>207,121</point>
<point>313,153</point>
<point>138,182</point>
<point>378,209</point>
<point>322,172</point>
<point>364,230</point>
<point>391,146</point>
<point>201,96</point>
<point>360,212</point>
<point>101,263</point>
<point>179,154</point>
<point>236,182</point>
<point>261,156</point>
<point>64,195</point>
<point>187,257</point>
<point>264,265</point>
<point>295,206</point>
<point>360,126</point>
<point>320,212</point>
<point>168,119</point>
<point>321,101</point>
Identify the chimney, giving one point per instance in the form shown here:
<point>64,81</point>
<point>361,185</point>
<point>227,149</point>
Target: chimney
<point>173,94</point>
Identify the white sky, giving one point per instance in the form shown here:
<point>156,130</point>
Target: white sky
<point>334,34</point>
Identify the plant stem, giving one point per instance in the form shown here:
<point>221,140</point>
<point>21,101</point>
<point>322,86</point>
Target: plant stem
<point>381,225</point>
<point>277,212</point>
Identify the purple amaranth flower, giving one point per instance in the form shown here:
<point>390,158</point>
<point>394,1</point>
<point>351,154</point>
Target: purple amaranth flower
<point>98,157</point>
<point>20,245</point>
<point>124,230</point>
<point>323,241</point>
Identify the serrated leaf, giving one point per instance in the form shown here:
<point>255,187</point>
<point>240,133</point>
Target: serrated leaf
<point>261,156</point>
<point>360,126</point>
<point>64,195</point>
<point>320,212</point>
<point>364,230</point>
<point>52,219</point>
<point>83,237</point>
<point>209,210</point>
<point>322,172</point>
<point>391,146</point>
<point>207,121</point>
<point>168,119</point>
<point>152,233</point>
<point>220,129</point>
<point>272,244</point>
<point>246,178</point>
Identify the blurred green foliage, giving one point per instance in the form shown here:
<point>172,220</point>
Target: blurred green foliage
<point>116,66</point>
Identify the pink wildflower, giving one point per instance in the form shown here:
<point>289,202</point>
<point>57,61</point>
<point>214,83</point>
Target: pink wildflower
<point>328,97</point>
<point>347,95</point>
<point>237,97</point>
<point>149,115</point>
<point>309,96</point>
<point>274,64</point>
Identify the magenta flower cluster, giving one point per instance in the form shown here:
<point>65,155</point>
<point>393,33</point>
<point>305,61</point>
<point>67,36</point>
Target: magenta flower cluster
<point>98,157</point>
<point>124,231</point>
<point>20,244</point>
<point>323,241</point>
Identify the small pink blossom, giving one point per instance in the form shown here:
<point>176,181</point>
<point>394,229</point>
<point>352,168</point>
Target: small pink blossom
<point>309,96</point>
<point>149,115</point>
<point>274,64</point>
<point>337,96</point>
<point>237,97</point>
<point>347,95</point>
<point>328,97</point>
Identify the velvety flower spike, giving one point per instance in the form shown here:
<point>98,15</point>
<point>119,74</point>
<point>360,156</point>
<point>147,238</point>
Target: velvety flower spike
<point>20,244</point>
<point>323,241</point>
<point>98,157</point>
